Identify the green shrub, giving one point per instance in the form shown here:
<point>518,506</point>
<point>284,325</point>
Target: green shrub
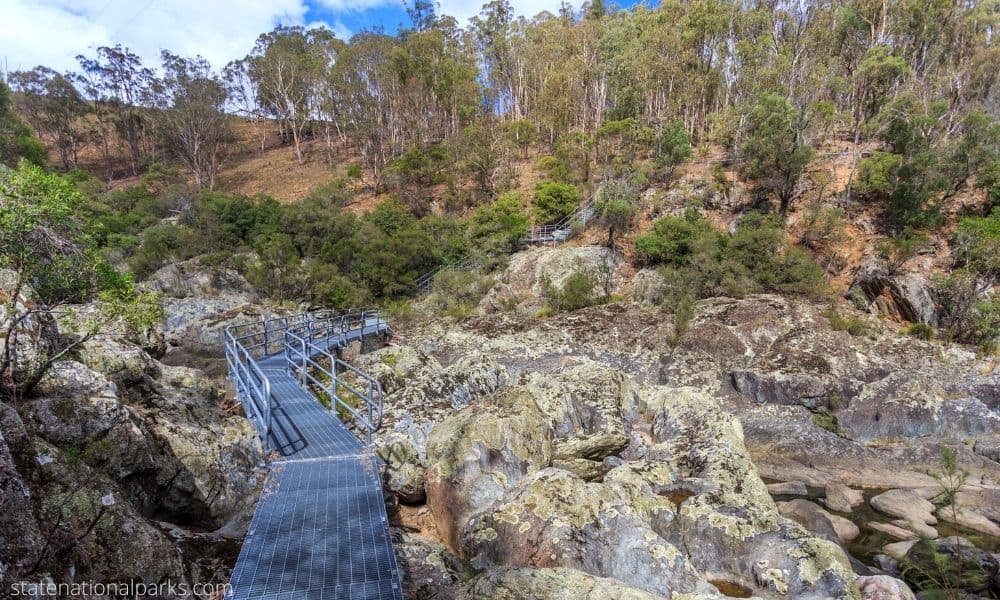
<point>698,260</point>
<point>556,169</point>
<point>354,172</point>
<point>673,147</point>
<point>457,293</point>
<point>852,325</point>
<point>554,200</point>
<point>921,331</point>
<point>499,227</point>
<point>576,292</point>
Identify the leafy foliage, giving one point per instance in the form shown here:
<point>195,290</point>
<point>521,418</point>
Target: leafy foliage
<point>775,153</point>
<point>698,261</point>
<point>16,141</point>
<point>554,200</point>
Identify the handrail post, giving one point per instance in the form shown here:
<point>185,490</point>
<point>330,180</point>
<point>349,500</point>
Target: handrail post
<point>369,403</point>
<point>305,357</point>
<point>267,408</point>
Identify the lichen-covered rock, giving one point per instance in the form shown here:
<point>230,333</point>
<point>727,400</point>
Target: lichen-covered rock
<point>404,475</point>
<point>553,584</point>
<point>735,512</point>
<point>899,296</point>
<point>474,456</point>
<point>526,271</point>
<point>428,569</point>
<point>585,405</point>
<point>166,440</point>
<point>192,279</point>
<point>217,455</point>
<point>554,519</point>
<point>20,538</point>
<point>811,516</point>
<point>883,587</point>
<point>33,339</point>
<point>420,392</point>
<point>120,362</point>
<point>647,286</point>
<point>92,527</point>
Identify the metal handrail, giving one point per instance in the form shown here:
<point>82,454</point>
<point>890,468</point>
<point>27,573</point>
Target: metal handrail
<point>563,229</point>
<point>303,357</point>
<point>246,343</point>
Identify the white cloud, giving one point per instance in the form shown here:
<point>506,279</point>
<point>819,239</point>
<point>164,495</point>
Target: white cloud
<point>463,10</point>
<point>53,32</point>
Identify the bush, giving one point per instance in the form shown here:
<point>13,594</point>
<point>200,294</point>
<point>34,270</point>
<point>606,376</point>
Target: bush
<point>674,239</point>
<point>852,325</point>
<point>577,292</point>
<point>499,227</point>
<point>697,260</point>
<point>615,205</point>
<point>554,201</point>
<point>164,243</point>
<point>457,293</point>
<point>673,147</point>
<point>918,330</point>
<point>556,169</point>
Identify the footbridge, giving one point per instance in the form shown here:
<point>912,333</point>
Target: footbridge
<point>320,530</point>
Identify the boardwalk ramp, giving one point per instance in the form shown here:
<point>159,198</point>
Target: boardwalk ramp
<point>320,530</point>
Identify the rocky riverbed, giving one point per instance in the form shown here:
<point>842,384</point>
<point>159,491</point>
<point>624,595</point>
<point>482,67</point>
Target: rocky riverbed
<point>765,453</point>
<point>592,454</point>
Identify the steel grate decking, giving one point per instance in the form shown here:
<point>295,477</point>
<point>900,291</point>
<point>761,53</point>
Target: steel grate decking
<point>320,530</point>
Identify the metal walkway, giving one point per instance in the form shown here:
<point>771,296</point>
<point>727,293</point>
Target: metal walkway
<point>320,529</point>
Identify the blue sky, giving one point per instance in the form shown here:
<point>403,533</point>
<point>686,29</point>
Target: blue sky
<point>53,32</point>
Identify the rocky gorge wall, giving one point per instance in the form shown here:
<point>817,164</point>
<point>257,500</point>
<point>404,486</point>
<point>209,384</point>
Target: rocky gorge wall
<point>590,454</point>
<point>764,453</point>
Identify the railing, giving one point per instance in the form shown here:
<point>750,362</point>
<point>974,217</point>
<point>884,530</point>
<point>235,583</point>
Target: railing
<point>426,281</point>
<point>319,369</point>
<point>563,229</point>
<point>247,343</point>
<point>252,386</point>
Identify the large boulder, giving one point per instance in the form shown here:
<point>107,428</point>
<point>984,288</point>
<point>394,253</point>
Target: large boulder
<point>916,513</point>
<point>841,498</point>
<point>404,473</point>
<point>92,531</point>
<point>428,569</point>
<point>898,296</point>
<point>193,279</point>
<point>524,278</point>
<point>28,334</point>
<point>165,440</point>
<point>553,584</point>
<point>474,456</point>
<point>554,519</point>
<point>727,505</point>
<point>585,405</point>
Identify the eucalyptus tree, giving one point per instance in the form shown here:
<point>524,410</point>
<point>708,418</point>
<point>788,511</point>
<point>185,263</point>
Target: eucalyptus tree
<point>55,109</point>
<point>285,64</point>
<point>190,120</point>
<point>119,81</point>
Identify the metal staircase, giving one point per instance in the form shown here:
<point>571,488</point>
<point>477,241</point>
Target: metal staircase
<point>563,229</point>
